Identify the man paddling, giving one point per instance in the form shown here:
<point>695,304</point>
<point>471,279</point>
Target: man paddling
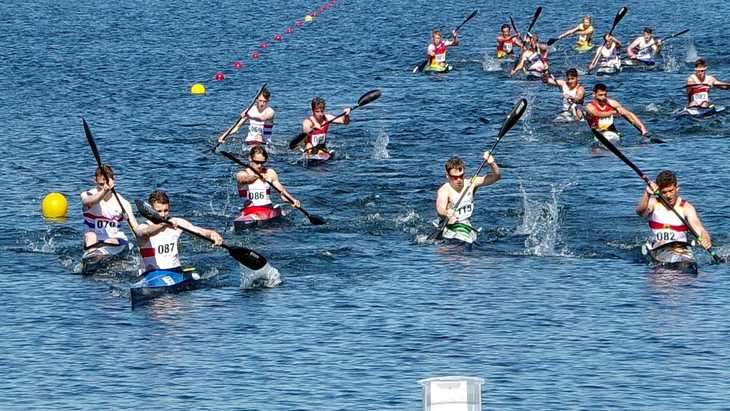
<point>699,84</point>
<point>506,42</point>
<point>256,193</point>
<point>436,51</point>
<point>572,93</point>
<point>601,110</point>
<point>533,59</point>
<point>260,121</point>
<point>584,30</point>
<point>644,48</point>
<point>608,55</point>
<point>102,214</point>
<point>450,192</point>
<point>667,229</point>
<point>158,243</point>
<point>317,126</point>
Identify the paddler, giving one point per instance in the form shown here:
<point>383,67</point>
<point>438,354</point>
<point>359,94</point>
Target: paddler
<point>256,193</point>
<point>436,51</point>
<point>699,84</point>
<point>572,93</point>
<point>260,121</point>
<point>506,42</point>
<point>584,30</point>
<point>608,55</point>
<point>533,59</point>
<point>102,214</point>
<point>665,226</point>
<point>450,192</point>
<point>601,110</point>
<point>316,128</point>
<point>158,243</point>
<point>644,48</point>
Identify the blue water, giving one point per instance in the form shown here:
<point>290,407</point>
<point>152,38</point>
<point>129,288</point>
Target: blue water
<point>554,307</point>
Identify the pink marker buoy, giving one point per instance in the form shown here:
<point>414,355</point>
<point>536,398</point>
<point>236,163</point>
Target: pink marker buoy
<point>277,37</point>
<point>237,65</point>
<point>255,55</point>
<point>264,45</point>
<point>219,76</point>
<point>289,30</point>
<point>298,23</point>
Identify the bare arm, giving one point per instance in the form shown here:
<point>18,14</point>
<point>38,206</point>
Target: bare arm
<point>212,235</point>
<point>694,221</point>
<point>492,177</point>
<point>569,32</point>
<point>342,120</point>
<point>646,204</point>
<point>519,65</point>
<point>442,202</point>
<point>245,176</point>
<point>629,116</point>
<point>274,181</point>
<point>89,200</point>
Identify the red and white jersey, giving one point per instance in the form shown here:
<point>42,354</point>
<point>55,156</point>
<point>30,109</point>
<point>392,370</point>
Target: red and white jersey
<point>318,136</point>
<point>104,219</point>
<point>699,93</point>
<point>257,193</point>
<point>665,226</point>
<point>601,123</point>
<point>159,252</point>
<point>439,53</point>
<point>505,46</point>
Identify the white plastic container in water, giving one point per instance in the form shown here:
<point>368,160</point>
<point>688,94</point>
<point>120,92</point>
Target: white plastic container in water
<point>452,393</point>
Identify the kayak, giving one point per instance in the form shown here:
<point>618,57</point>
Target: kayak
<point>255,215</point>
<point>672,256</point>
<point>583,48</point>
<point>639,65</point>
<point>566,117</point>
<point>158,282</point>
<point>611,136</point>
<point>320,157</point>
<point>700,112</point>
<point>607,70</point>
<point>438,68</point>
<point>101,254</point>
<point>461,232</point>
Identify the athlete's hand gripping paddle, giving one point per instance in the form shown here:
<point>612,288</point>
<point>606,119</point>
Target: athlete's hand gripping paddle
<point>658,194</point>
<point>509,122</point>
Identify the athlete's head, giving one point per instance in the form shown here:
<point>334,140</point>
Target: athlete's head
<point>263,99</point>
<point>647,33</point>
<point>600,92</point>
<point>571,72</point>
<point>505,29</point>
<point>700,67</point>
<point>607,38</point>
<point>102,173</point>
<point>318,106</point>
<point>258,155</point>
<point>436,36</point>
<point>587,20</point>
<point>667,182</point>
<point>455,171</point>
<point>159,200</point>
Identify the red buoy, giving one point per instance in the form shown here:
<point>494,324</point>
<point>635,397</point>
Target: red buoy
<point>255,55</point>
<point>219,76</point>
<point>237,65</point>
<point>289,30</point>
<point>277,37</point>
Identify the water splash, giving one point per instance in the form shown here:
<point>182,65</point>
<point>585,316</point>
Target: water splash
<point>652,108</point>
<point>691,51</point>
<point>265,277</point>
<point>527,128</point>
<point>380,148</point>
<point>541,223</point>
<point>489,63</point>
<point>671,63</point>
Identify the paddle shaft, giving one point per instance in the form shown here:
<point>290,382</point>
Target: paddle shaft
<point>658,193</point>
<point>679,33</point>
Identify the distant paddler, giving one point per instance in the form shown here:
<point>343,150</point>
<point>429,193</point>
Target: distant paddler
<point>254,187</point>
<point>534,58</point>
<point>436,50</point>
<point>584,31</point>
<point>506,41</point>
<point>644,48</point>
<point>600,114</point>
<point>572,95</point>
<point>260,117</point>
<point>158,243</point>
<point>103,215</point>
<point>608,56</point>
<point>669,232</point>
<point>699,84</point>
<point>317,126</point>
<point>448,195</point>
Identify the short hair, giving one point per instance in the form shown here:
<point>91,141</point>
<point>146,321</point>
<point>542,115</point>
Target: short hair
<point>648,29</point>
<point>104,171</point>
<point>600,87</point>
<point>258,149</point>
<point>571,72</point>
<point>436,31</point>
<point>158,196</point>
<point>318,102</point>
<point>454,162</point>
<point>504,26</point>
<point>266,93</point>
<point>666,178</point>
<point>700,63</point>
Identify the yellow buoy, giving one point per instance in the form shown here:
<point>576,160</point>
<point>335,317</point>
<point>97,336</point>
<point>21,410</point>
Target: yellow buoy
<point>308,18</point>
<point>54,205</point>
<point>197,88</point>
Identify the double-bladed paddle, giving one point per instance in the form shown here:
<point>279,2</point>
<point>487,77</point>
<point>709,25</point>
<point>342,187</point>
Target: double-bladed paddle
<point>314,219</point>
<point>509,122</point>
<point>421,66</point>
<point>366,98</point>
<point>238,120</point>
<point>535,16</point>
<point>245,256</point>
<point>679,33</point>
<point>658,193</point>
<point>620,15</point>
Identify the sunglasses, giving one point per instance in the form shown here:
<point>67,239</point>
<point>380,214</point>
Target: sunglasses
<point>258,162</point>
<point>459,177</point>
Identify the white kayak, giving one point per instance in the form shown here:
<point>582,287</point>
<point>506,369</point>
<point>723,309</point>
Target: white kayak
<point>699,112</point>
<point>461,232</point>
<point>101,254</point>
<point>672,256</point>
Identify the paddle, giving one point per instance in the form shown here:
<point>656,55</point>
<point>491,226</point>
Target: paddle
<point>245,256</point>
<point>239,120</point>
<point>658,193</point>
<point>314,219</point>
<point>366,98</point>
<point>721,86</point>
<point>509,122</point>
<point>95,151</point>
<point>535,16</point>
<point>421,66</point>
<point>679,33</point>
<point>620,15</point>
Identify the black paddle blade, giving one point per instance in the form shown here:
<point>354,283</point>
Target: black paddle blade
<point>679,33</point>
<point>92,143</point>
<point>621,13</point>
<point>149,212</point>
<point>538,10</point>
<point>471,16</point>
<point>368,97</point>
<point>514,27</point>
<point>247,257</point>
<point>517,111</point>
<point>296,140</point>
<point>552,41</point>
<point>316,220</point>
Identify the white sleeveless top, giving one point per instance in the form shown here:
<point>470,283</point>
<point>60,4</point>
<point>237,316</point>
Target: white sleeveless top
<point>159,252</point>
<point>104,219</point>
